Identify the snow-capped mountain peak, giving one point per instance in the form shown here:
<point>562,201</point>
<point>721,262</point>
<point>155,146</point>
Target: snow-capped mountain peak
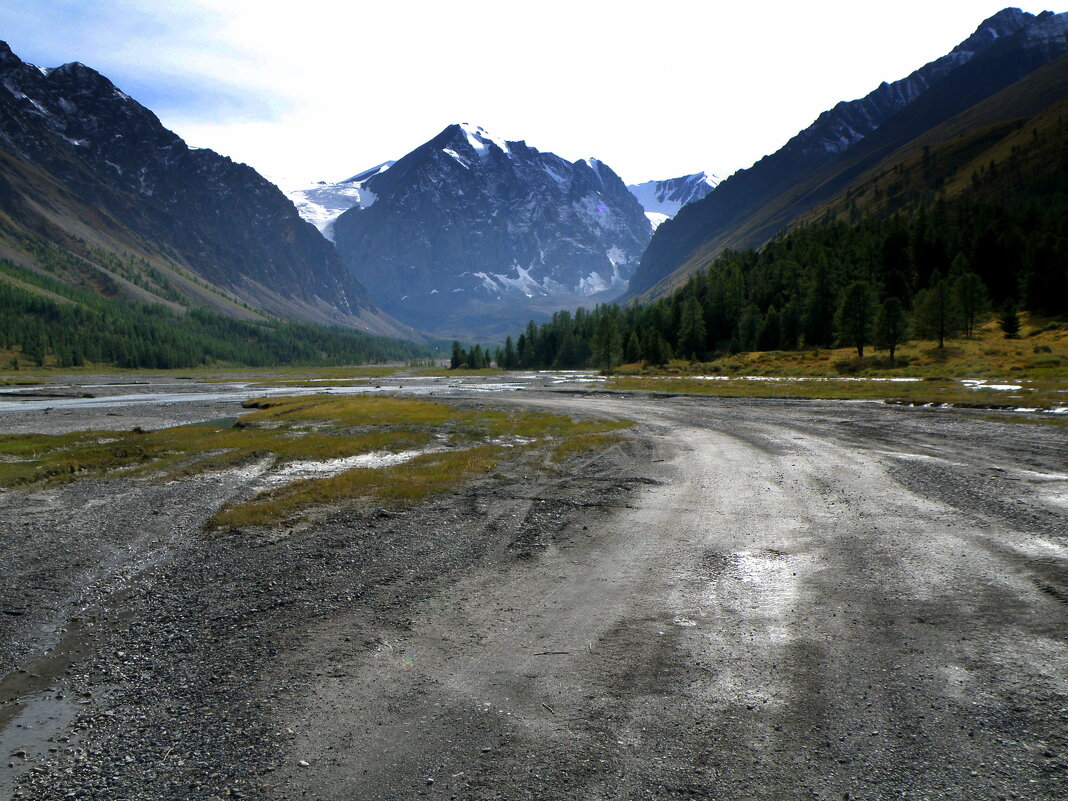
<point>663,199</point>
<point>480,139</point>
<point>471,234</point>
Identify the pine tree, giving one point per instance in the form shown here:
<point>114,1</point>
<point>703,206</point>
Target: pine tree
<point>936,314</point>
<point>508,357</point>
<point>891,326</point>
<point>692,330</point>
<point>747,334</point>
<point>771,330</point>
<point>1009,320</point>
<point>567,354</point>
<point>789,324</point>
<point>855,318</point>
<point>600,346</point>
<point>615,345</point>
<point>973,301</point>
<point>473,357</point>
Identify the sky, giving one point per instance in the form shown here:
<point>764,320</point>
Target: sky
<point>321,90</point>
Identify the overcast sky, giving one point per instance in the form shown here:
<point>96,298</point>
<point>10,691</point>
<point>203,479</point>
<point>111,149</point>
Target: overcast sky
<point>307,91</point>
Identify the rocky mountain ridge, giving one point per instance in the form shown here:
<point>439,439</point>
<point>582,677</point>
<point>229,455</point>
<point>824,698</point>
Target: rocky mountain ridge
<point>751,206</point>
<point>86,166</point>
<point>468,234</point>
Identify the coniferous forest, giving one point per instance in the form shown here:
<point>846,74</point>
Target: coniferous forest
<point>933,274</point>
<point>49,320</point>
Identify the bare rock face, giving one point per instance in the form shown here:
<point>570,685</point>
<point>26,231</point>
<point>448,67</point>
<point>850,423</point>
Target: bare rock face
<point>470,235</point>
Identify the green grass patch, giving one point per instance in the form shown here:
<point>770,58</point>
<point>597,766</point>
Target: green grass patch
<point>291,429</point>
<point>938,390</point>
<point>359,410</point>
<point>34,458</point>
<point>487,433</point>
<point>315,428</point>
<point>1039,353</point>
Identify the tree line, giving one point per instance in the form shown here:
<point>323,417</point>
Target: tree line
<point>936,273</point>
<point>74,326</point>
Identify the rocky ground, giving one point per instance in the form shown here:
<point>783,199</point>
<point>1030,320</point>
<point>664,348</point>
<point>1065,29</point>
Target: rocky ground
<point>745,600</point>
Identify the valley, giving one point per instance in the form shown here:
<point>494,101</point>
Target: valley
<point>485,473</point>
<point>738,598</point>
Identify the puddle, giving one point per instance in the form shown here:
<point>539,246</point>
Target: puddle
<point>32,724</point>
<point>762,585</point>
<point>511,441</point>
<point>32,712</point>
<point>24,388</point>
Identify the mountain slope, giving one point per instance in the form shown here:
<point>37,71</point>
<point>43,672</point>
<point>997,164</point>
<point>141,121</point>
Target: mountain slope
<point>1021,131</point>
<point>85,168</point>
<point>470,236</point>
<point>753,205</point>
<point>968,218</point>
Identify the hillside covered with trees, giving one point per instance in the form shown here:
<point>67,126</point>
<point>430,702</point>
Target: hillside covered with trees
<point>47,321</point>
<point>933,273</point>
<point>964,221</point>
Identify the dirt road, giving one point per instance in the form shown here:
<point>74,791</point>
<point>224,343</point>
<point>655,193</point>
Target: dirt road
<point>749,600</point>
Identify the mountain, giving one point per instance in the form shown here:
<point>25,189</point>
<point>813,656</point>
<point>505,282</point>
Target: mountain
<point>323,203</point>
<point>469,235</point>
<point>1014,141</point>
<point>663,199</point>
<point>752,205</point>
<point>90,173</point>
<point>966,218</point>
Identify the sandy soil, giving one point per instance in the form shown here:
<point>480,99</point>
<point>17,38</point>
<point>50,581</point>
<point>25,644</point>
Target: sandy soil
<point>748,599</point>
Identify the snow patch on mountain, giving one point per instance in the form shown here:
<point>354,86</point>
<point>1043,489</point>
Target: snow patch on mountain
<point>663,199</point>
<point>325,202</point>
<point>480,139</point>
<point>656,218</point>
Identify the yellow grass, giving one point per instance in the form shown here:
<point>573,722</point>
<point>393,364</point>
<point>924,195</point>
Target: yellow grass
<point>1041,352</point>
<point>358,410</point>
<point>313,428</point>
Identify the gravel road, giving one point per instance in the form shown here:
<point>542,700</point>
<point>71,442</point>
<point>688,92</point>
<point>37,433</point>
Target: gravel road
<point>747,599</point>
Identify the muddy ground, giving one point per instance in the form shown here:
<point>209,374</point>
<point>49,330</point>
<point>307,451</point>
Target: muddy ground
<point>747,599</point>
